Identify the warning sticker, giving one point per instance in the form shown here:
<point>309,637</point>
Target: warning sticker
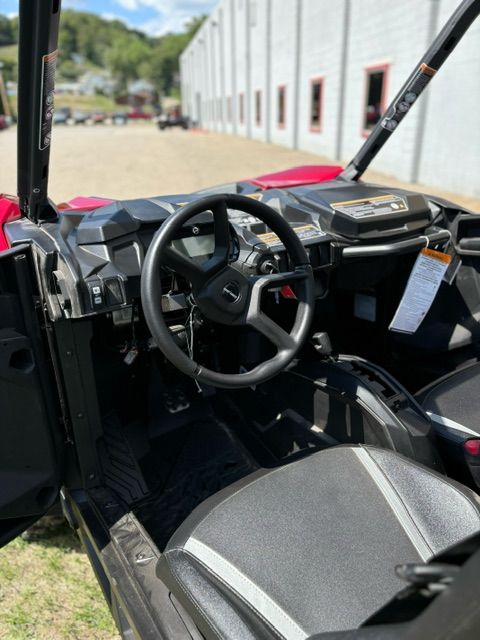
<point>376,206</point>
<point>47,94</point>
<point>399,110</point>
<point>422,286</point>
<point>304,232</point>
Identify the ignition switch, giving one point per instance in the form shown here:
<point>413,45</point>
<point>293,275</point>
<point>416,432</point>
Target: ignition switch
<point>268,266</point>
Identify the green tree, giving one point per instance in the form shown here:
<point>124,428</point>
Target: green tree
<point>128,59</point>
<point>165,57</point>
<point>7,34</point>
<point>87,41</point>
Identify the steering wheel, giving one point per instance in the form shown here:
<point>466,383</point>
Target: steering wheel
<point>225,295</point>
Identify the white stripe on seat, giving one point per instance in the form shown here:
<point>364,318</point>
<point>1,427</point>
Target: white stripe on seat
<point>248,590</point>
<point>395,503</point>
<point>451,424</point>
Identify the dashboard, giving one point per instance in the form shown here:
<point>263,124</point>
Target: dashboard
<point>91,262</point>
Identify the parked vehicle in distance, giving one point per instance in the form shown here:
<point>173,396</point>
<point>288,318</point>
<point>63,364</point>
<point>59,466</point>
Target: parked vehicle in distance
<point>98,117</point>
<point>80,117</point>
<point>62,115</point>
<point>138,114</point>
<point>119,118</point>
<point>173,118</point>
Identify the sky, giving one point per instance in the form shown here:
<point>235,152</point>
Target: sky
<point>155,17</point>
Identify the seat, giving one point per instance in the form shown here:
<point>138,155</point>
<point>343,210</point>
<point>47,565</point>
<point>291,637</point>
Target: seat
<point>452,401</point>
<point>311,547</point>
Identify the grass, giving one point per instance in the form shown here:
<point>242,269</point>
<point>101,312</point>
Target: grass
<point>48,591</point>
<point>87,103</point>
<point>9,53</point>
<point>80,103</point>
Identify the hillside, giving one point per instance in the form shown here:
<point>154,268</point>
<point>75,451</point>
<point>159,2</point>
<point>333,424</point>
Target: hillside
<point>89,42</point>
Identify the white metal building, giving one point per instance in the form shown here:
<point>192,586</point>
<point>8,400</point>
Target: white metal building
<point>316,74</point>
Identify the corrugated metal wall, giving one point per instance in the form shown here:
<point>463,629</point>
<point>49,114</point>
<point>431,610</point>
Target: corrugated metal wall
<point>248,49</point>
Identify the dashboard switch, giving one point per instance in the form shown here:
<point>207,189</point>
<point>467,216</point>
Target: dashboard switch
<point>96,294</point>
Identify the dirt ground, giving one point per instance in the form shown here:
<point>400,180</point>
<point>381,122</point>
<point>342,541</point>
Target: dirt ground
<point>47,589</point>
<point>138,160</point>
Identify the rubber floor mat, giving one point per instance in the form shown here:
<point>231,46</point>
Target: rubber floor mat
<point>210,459</point>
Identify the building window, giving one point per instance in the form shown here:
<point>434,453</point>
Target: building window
<point>258,107</point>
<point>316,104</point>
<point>375,96</point>
<point>229,109</point>
<point>281,106</point>
<point>241,108</point>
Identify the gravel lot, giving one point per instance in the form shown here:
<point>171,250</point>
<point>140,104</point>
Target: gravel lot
<point>138,160</point>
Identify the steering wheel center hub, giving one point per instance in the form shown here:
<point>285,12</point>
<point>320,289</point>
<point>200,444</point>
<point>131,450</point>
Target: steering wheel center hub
<point>231,292</point>
<point>224,297</point>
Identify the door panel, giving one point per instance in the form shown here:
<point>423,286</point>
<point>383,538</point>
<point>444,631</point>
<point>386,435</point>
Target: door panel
<point>30,433</point>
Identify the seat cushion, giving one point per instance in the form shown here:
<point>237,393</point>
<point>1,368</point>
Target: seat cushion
<point>452,401</point>
<point>311,547</point>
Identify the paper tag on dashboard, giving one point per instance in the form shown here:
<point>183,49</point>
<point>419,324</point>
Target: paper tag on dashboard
<point>422,286</point>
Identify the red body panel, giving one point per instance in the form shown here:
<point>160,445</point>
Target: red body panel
<point>9,211</point>
<point>296,176</point>
<point>84,203</point>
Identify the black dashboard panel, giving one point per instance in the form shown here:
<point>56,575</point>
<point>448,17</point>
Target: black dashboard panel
<point>359,211</point>
<point>91,262</point>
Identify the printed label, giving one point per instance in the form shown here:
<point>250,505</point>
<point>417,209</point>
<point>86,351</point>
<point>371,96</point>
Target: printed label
<point>422,287</point>
<point>376,206</point>
<point>47,95</point>
<point>304,232</point>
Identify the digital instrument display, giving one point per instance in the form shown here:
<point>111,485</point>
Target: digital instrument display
<point>195,246</point>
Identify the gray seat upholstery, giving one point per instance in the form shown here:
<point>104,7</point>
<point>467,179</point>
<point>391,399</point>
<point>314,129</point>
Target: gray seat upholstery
<point>311,547</point>
<point>452,401</point>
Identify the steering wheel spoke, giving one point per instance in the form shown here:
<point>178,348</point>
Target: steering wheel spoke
<point>183,265</point>
<point>271,330</point>
<point>221,234</point>
<point>197,273</point>
<point>259,320</point>
<point>277,280</point>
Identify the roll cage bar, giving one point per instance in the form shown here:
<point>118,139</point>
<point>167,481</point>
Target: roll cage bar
<point>430,63</point>
<point>38,41</point>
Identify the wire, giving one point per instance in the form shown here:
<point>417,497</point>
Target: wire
<point>189,334</point>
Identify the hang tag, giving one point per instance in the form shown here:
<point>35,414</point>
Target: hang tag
<point>452,270</point>
<point>422,287</point>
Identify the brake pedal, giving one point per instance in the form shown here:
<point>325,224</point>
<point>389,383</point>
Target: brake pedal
<point>176,401</point>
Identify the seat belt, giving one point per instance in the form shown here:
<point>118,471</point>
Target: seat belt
<point>424,582</point>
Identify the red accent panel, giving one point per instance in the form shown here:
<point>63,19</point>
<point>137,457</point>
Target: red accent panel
<point>472,447</point>
<point>296,176</point>
<point>9,211</point>
<point>82,203</point>
<point>287,292</point>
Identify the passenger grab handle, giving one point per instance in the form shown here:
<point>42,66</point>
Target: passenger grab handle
<point>402,246</point>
